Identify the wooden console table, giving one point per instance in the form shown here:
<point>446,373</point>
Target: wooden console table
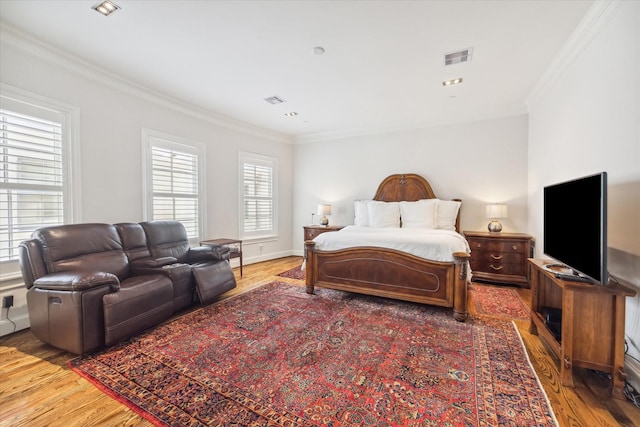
<point>591,333</point>
<point>233,244</point>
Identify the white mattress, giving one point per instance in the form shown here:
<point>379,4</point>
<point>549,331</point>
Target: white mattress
<point>432,244</point>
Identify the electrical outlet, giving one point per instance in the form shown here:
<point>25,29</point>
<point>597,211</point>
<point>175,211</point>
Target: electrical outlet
<point>7,301</point>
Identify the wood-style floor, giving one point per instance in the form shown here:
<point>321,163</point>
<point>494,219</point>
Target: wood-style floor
<point>38,389</point>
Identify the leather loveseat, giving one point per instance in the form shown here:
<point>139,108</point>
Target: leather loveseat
<point>91,285</point>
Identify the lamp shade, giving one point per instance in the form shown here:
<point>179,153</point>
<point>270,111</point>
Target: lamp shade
<point>495,211</point>
<point>324,209</point>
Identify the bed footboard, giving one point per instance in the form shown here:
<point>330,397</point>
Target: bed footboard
<point>391,274</point>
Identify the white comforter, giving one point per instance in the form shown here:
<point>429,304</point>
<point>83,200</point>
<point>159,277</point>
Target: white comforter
<point>436,245</point>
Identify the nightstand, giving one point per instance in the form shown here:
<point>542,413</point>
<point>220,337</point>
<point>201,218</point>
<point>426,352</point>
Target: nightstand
<point>500,257</point>
<point>311,231</point>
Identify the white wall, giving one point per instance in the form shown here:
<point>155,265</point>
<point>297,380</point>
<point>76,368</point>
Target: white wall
<point>584,119</point>
<point>478,162</point>
<point>112,115</point>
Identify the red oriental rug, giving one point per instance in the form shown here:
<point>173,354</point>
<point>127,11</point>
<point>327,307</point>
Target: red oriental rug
<point>276,356</point>
<point>294,273</point>
<point>498,301</point>
<point>495,301</point>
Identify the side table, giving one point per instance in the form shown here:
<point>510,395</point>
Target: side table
<point>311,231</point>
<point>500,257</point>
<point>233,244</point>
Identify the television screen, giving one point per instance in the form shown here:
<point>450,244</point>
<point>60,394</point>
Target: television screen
<point>575,225</point>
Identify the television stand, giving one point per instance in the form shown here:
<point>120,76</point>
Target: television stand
<point>592,324</point>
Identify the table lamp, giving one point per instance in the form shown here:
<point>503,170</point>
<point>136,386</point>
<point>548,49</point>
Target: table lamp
<point>494,212</point>
<point>324,210</point>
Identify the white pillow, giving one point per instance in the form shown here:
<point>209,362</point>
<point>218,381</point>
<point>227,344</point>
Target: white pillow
<point>384,214</point>
<point>419,214</point>
<point>447,212</point>
<point>361,213</point>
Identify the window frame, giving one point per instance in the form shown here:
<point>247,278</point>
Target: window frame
<point>262,160</point>
<point>25,102</point>
<point>152,138</point>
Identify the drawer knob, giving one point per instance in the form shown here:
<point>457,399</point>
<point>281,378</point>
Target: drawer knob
<point>478,245</point>
<point>496,268</point>
<point>496,257</point>
<point>514,247</point>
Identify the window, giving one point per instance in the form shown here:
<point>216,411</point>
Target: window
<point>257,196</point>
<point>35,170</point>
<point>174,179</point>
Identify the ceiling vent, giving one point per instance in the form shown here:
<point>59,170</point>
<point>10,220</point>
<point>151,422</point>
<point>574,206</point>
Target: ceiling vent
<point>458,57</point>
<point>274,100</point>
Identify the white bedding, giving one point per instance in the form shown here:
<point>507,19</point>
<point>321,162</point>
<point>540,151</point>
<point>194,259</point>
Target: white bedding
<point>433,244</point>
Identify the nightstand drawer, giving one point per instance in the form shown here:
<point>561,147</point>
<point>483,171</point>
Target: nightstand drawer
<point>497,267</point>
<point>499,257</point>
<point>311,234</point>
<point>312,231</point>
<point>496,246</point>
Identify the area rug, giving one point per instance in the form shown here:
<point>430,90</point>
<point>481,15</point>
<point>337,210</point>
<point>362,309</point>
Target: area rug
<point>294,273</point>
<point>276,356</point>
<point>497,301</point>
<point>488,300</point>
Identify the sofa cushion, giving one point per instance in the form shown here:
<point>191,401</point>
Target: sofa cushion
<point>82,247</point>
<point>134,241</point>
<point>167,239</point>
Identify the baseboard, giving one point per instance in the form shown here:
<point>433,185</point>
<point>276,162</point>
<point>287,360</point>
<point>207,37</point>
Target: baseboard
<point>20,322</point>
<point>261,258</point>
<point>632,369</point>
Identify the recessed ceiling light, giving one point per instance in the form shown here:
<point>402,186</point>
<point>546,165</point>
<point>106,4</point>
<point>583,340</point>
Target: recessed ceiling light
<point>293,113</point>
<point>106,7</point>
<point>318,50</point>
<point>452,82</point>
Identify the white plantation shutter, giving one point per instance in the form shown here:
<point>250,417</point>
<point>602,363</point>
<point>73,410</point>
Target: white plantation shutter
<point>31,178</point>
<point>175,187</point>
<point>258,195</point>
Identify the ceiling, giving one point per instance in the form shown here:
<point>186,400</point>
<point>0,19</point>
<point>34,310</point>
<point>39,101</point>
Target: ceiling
<point>382,68</point>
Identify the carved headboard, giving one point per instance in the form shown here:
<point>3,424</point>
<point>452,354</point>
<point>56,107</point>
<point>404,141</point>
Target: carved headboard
<point>407,187</point>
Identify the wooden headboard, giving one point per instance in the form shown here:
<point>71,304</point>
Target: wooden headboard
<point>407,187</point>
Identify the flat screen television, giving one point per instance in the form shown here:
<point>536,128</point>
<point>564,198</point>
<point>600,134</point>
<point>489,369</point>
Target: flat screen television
<point>575,227</point>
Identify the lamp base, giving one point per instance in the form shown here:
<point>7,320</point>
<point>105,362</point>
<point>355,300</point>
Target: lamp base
<point>494,226</point>
<point>324,221</point>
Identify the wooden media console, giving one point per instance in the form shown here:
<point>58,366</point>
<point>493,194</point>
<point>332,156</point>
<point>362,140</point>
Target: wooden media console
<point>582,323</point>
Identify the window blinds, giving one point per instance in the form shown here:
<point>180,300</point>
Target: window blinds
<point>31,178</point>
<point>175,187</point>
<point>258,198</point>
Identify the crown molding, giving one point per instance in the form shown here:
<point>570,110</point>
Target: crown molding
<point>496,112</point>
<point>597,15</point>
<point>62,59</point>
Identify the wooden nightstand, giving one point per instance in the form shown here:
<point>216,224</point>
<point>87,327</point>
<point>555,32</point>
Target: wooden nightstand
<point>311,231</point>
<point>500,257</point>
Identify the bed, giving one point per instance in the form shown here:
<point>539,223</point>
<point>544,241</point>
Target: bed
<point>390,272</point>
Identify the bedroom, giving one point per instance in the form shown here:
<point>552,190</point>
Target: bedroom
<point>581,118</point>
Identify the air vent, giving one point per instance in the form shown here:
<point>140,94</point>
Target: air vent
<point>458,57</point>
<point>274,100</point>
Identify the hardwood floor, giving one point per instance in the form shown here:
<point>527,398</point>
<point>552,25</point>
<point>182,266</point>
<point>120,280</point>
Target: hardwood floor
<point>38,389</point>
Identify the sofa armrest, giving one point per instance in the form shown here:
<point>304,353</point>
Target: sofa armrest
<point>77,281</point>
<point>152,262</point>
<point>209,253</point>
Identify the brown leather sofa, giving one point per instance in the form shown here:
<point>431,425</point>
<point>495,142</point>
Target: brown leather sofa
<point>91,285</point>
